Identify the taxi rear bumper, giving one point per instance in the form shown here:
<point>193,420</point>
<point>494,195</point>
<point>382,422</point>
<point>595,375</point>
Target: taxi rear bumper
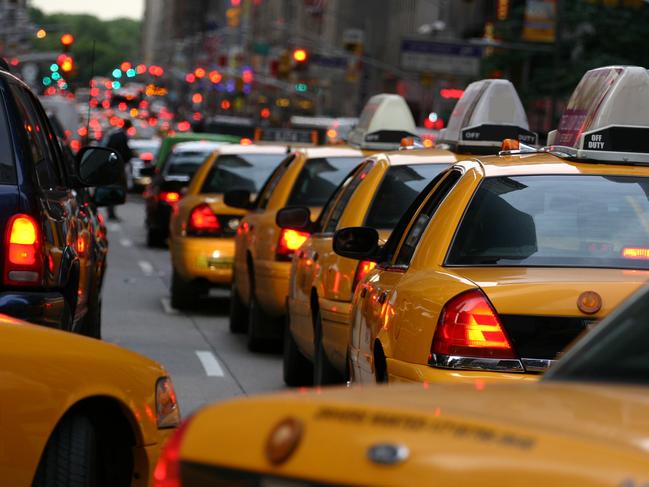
<point>399,371</point>
<point>209,259</point>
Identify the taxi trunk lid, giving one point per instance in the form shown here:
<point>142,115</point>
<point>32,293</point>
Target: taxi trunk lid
<point>538,307</point>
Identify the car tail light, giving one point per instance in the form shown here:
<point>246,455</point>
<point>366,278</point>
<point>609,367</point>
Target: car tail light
<point>363,269</point>
<point>146,156</point>
<point>170,197</point>
<point>167,470</point>
<point>469,327</point>
<point>289,242</point>
<point>203,222</point>
<point>23,260</point>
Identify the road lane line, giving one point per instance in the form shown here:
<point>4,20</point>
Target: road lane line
<point>166,305</point>
<point>210,363</point>
<point>147,268</point>
<point>126,242</point>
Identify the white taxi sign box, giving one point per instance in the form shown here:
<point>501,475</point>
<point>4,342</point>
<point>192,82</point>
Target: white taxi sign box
<point>489,112</point>
<point>384,121</point>
<point>607,117</point>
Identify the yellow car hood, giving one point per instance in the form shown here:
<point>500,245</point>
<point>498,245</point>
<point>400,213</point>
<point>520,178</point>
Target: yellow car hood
<point>478,434</point>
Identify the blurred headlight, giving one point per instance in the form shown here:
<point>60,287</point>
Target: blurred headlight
<point>167,411</point>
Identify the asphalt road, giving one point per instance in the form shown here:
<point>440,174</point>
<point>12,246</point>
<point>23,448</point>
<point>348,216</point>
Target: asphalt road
<point>207,363</point>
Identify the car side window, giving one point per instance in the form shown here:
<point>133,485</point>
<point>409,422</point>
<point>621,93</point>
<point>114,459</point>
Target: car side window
<point>407,249</point>
<point>271,183</point>
<point>345,192</point>
<point>52,139</point>
<point>36,140</point>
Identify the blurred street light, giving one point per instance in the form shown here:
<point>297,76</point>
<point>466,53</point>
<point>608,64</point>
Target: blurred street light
<point>41,33</point>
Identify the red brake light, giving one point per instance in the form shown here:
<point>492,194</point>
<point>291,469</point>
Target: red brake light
<point>470,327</point>
<point>169,196</point>
<point>146,156</point>
<point>203,221</point>
<point>23,265</point>
<point>289,242</point>
<point>363,269</point>
<point>167,470</point>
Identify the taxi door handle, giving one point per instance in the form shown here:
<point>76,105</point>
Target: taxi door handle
<point>382,297</point>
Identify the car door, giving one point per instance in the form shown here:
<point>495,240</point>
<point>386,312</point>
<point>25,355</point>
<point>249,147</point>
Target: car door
<point>56,203</point>
<point>379,294</point>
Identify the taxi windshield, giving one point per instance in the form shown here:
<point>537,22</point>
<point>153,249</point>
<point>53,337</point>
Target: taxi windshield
<point>185,163</point>
<point>319,178</point>
<point>397,191</point>
<point>617,353</point>
<point>556,221</point>
<point>243,171</point>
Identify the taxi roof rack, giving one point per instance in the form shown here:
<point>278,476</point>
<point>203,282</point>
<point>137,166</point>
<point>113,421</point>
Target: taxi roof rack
<point>607,117</point>
<point>385,120</point>
<point>489,112</point>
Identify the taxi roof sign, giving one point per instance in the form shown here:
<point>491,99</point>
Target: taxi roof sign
<point>607,117</point>
<point>384,121</point>
<point>489,112</point>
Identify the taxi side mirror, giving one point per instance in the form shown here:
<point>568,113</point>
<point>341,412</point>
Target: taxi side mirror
<point>295,218</point>
<point>359,243</point>
<point>238,198</point>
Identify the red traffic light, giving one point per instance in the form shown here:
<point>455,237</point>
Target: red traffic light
<point>300,55</point>
<point>67,39</point>
<point>66,63</point>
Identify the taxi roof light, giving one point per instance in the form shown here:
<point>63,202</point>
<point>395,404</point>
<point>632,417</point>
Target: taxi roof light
<point>384,121</point>
<point>469,327</point>
<point>489,111</point>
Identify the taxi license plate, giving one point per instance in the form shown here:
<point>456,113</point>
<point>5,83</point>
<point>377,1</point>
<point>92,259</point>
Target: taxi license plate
<point>214,263</point>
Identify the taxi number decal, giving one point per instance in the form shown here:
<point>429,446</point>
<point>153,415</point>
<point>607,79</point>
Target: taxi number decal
<point>425,424</point>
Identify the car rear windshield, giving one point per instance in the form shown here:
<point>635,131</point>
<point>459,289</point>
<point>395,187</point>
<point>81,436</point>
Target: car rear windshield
<point>243,171</point>
<point>319,178</point>
<point>556,221</point>
<point>397,191</point>
<point>185,163</point>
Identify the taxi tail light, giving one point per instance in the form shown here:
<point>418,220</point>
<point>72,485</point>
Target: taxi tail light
<point>289,241</point>
<point>170,197</point>
<point>203,222</point>
<point>363,269</point>
<point>469,327</point>
<point>167,469</point>
<point>23,260</point>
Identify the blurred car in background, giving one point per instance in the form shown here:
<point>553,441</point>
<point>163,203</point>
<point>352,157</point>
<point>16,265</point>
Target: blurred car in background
<point>201,238</point>
<point>144,154</point>
<point>168,184</point>
<point>168,143</point>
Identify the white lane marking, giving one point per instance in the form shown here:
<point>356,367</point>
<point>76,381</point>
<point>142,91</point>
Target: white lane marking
<point>210,363</point>
<point>147,268</point>
<point>114,227</point>
<point>126,242</point>
<point>166,305</point>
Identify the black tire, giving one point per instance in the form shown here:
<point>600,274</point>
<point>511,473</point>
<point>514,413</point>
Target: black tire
<point>257,320</point>
<point>298,370</point>
<point>154,238</point>
<point>92,321</point>
<point>183,293</point>
<point>323,372</point>
<point>238,312</point>
<point>70,457</point>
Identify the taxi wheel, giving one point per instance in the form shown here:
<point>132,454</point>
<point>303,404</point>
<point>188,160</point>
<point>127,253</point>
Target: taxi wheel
<point>323,372</point>
<point>238,312</point>
<point>256,320</point>
<point>298,371</point>
<point>154,238</point>
<point>70,455</point>
<point>183,293</point>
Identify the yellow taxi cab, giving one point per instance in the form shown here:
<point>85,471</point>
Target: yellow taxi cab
<point>376,194</point>
<point>308,177</point>
<point>503,261</point>
<point>202,227</point>
<point>79,412</point>
<point>583,424</point>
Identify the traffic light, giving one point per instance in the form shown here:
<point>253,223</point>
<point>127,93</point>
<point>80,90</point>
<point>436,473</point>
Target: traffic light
<point>300,55</point>
<point>67,40</point>
<point>67,65</point>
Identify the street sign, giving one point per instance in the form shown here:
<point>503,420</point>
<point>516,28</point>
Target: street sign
<point>440,57</point>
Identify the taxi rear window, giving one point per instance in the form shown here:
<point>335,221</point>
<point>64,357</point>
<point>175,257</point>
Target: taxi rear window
<point>397,191</point>
<point>319,178</point>
<point>556,221</point>
<point>185,163</point>
<point>243,171</point>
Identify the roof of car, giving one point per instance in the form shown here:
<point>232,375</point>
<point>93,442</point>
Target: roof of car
<point>421,156</point>
<point>253,149</point>
<point>198,145</point>
<point>331,151</point>
<point>543,164</point>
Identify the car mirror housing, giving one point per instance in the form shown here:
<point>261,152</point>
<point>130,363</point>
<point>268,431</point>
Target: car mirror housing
<point>100,166</point>
<point>295,218</point>
<point>109,195</point>
<point>238,198</point>
<point>360,243</point>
